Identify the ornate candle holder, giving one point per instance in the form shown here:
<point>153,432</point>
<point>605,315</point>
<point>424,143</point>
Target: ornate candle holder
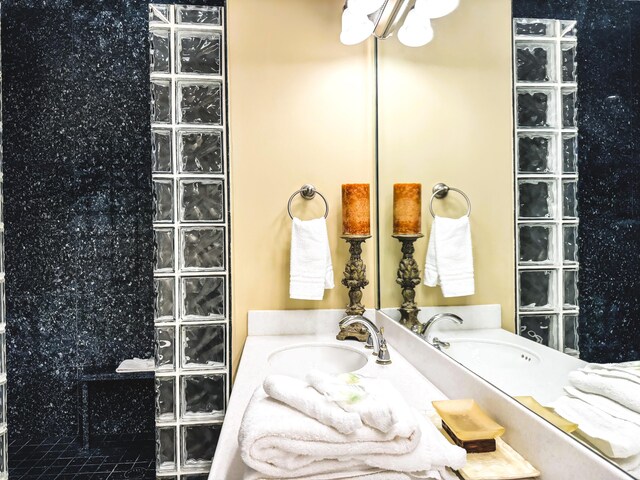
<point>355,279</point>
<point>408,279</point>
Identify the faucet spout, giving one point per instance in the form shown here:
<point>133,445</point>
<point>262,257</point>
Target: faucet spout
<point>379,343</point>
<point>424,330</point>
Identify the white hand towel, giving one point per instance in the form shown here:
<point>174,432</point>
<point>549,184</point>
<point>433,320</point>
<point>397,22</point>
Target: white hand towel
<point>627,370</point>
<point>366,474</point>
<point>606,405</point>
<point>281,442</point>
<point>311,270</point>
<point>621,390</point>
<point>302,397</point>
<point>449,260</point>
<point>614,437</point>
<point>369,398</point>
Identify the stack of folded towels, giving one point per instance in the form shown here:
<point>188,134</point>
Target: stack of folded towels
<point>336,427</point>
<point>604,400</point>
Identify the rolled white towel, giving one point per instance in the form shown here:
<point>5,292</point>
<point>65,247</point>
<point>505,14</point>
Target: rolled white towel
<point>605,404</point>
<point>621,390</point>
<point>614,437</point>
<point>354,393</point>
<point>302,397</point>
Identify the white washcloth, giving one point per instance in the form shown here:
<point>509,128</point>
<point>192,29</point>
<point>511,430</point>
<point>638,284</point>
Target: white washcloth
<point>280,442</point>
<point>136,365</point>
<point>630,464</point>
<point>621,390</point>
<point>606,405</point>
<point>311,270</point>
<point>449,260</point>
<point>614,437</point>
<point>627,370</point>
<point>302,397</point>
<point>368,398</point>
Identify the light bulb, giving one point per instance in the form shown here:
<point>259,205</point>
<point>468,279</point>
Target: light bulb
<point>366,7</point>
<point>356,27</point>
<point>416,30</point>
<point>436,8</point>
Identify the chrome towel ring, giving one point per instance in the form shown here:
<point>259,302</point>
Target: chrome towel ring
<point>308,192</point>
<point>441,190</point>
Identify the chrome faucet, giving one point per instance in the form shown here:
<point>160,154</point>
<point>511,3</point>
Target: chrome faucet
<point>375,335</point>
<point>436,342</point>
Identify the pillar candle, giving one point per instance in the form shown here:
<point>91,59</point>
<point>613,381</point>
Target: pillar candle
<point>407,208</point>
<point>356,217</point>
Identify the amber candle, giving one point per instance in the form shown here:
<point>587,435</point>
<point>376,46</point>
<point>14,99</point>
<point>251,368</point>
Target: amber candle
<point>407,208</point>
<point>356,216</point>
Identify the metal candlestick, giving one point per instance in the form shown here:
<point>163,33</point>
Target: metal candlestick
<point>355,279</point>
<point>408,279</point>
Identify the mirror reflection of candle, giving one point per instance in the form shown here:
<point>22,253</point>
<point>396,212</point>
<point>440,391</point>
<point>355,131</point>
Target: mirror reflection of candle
<point>356,215</point>
<point>407,208</point>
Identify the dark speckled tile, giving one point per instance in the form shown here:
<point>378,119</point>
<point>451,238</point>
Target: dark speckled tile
<point>609,168</point>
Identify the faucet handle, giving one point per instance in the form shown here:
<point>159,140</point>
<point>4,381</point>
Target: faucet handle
<point>383,354</point>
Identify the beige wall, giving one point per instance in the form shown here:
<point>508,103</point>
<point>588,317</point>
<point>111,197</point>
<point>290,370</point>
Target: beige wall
<point>301,111</point>
<point>445,116</point>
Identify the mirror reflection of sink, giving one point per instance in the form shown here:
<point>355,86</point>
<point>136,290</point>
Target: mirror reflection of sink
<point>493,354</point>
<point>297,360</point>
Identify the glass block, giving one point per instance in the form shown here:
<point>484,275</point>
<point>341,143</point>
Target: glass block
<point>161,101</point>
<point>160,51</point>
<point>536,107</point>
<point>569,62</point>
<point>203,346</point>
<point>166,448</point>
<point>203,248</point>
<point>163,200</point>
<point>195,476</point>
<point>3,403</point>
<point>534,27</point>
<point>569,108</point>
<point>540,328</point>
<point>201,152</point>
<point>537,289</point>
<point>570,153</point>
<point>535,62</point>
<point>202,201</point>
<point>571,344</point>
<point>569,199</point>
<point>159,13</point>
<point>163,249</point>
<point>536,243</point>
<point>199,52</point>
<point>161,151</point>
<point>164,310</point>
<point>568,28</point>
<point>536,153</point>
<point>199,445</point>
<point>199,15</point>
<point>570,243</point>
<point>203,298</point>
<point>203,396</point>
<point>3,354</point>
<point>536,199</point>
<point>570,295</point>
<point>165,399</point>
<point>200,102</point>
<point>165,343</point>
<point>4,455</point>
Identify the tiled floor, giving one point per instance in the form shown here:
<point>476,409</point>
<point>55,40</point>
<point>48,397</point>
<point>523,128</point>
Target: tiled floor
<point>112,457</point>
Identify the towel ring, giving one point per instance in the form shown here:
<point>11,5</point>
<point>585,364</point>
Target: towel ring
<point>308,192</point>
<point>440,190</point>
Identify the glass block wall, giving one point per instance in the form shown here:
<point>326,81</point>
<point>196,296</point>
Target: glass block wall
<point>4,473</point>
<point>546,156</point>
<point>191,192</point>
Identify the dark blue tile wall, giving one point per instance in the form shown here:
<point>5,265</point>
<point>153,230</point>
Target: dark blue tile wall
<point>78,210</point>
<point>609,169</point>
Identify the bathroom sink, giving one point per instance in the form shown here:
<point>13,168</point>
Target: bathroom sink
<point>297,360</point>
<point>491,353</point>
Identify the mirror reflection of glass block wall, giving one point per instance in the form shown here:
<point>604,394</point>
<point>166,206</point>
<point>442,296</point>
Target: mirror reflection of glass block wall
<point>191,198</point>
<point>546,156</point>
<point>4,473</point>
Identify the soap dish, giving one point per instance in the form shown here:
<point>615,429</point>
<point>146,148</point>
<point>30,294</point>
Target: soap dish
<point>467,421</point>
<point>549,415</point>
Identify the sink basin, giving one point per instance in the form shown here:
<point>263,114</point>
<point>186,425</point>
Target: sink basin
<point>297,360</point>
<point>491,353</point>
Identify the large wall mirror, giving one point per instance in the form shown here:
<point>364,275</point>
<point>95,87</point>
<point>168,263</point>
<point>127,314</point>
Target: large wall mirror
<point>530,108</point>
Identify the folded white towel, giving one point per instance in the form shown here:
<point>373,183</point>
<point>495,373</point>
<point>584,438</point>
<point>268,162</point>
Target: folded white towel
<point>614,437</point>
<point>606,405</point>
<point>449,260</point>
<point>281,442</point>
<point>311,270</point>
<point>630,464</point>
<point>621,390</point>
<point>302,397</point>
<point>368,398</point>
<point>366,474</point>
<point>628,370</point>
<point>136,365</point>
